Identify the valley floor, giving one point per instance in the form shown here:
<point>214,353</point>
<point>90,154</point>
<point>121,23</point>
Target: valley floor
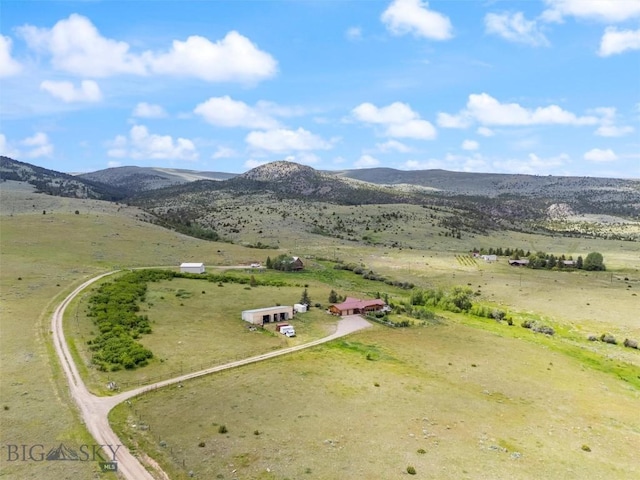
<point>460,399</point>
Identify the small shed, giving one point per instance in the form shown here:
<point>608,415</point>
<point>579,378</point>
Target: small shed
<point>299,307</point>
<point>260,316</point>
<point>490,258</point>
<point>192,267</point>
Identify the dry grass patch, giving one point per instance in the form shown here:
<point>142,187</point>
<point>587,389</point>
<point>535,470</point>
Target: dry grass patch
<point>332,411</point>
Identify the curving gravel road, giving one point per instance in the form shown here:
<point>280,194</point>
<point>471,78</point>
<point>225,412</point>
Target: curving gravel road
<point>95,410</point>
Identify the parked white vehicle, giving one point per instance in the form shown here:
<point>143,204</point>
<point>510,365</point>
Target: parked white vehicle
<point>288,331</point>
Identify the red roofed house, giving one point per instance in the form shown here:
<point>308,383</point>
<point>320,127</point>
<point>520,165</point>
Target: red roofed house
<point>355,306</point>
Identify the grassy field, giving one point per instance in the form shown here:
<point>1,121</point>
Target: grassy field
<point>526,395</point>
<point>479,405</point>
<point>42,257</point>
<point>196,324</point>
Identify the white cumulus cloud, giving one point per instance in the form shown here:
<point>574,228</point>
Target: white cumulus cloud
<point>7,149</point>
<point>87,91</point>
<point>393,146</point>
<point>487,110</point>
<point>515,28</point>
<point>398,119</point>
<point>616,41</point>
<point>485,132</point>
<point>600,156</point>
<point>366,161</point>
<point>38,145</point>
<point>418,129</point>
<point>608,127</point>
<point>226,112</point>
<point>413,16</point>
<point>76,46</point>
<point>446,120</point>
<point>234,57</point>
<point>614,130</point>
<point>470,145</point>
<point>223,152</point>
<point>140,144</point>
<point>602,10</point>
<point>149,110</point>
<point>284,140</point>
<point>8,65</point>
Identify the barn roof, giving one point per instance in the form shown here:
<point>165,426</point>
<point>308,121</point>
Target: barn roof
<point>187,264</point>
<point>353,303</point>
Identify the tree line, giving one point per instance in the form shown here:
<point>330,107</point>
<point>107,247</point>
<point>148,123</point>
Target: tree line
<point>594,261</point>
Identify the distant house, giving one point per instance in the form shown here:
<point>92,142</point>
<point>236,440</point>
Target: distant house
<point>192,267</point>
<point>260,316</point>
<point>355,306</point>
<point>519,263</point>
<point>490,258</point>
<point>568,263</point>
<point>296,263</point>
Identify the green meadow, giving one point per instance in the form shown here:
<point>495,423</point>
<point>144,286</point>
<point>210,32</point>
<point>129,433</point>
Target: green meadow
<point>464,398</point>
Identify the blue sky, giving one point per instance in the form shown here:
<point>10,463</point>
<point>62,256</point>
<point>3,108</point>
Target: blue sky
<point>547,87</point>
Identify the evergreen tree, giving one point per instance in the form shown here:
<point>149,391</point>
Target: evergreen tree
<point>579,262</point>
<point>269,263</point>
<point>333,297</point>
<point>305,300</point>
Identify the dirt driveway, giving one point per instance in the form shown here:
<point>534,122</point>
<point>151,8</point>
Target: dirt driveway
<point>95,410</point>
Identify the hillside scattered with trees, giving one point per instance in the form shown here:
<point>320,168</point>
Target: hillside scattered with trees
<point>56,183</point>
<point>283,195</point>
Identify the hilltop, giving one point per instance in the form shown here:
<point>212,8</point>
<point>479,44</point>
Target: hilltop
<point>132,180</point>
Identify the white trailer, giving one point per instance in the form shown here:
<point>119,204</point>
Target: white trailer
<point>192,267</point>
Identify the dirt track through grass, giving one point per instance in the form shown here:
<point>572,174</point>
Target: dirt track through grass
<point>462,395</point>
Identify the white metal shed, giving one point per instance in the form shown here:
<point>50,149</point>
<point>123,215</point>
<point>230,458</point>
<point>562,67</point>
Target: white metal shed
<point>192,267</point>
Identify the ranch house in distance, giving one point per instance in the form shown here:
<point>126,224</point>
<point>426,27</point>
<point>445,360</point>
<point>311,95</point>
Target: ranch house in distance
<point>356,306</point>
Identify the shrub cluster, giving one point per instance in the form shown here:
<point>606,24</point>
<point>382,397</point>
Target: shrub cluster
<point>457,299</point>
<point>114,308</point>
<point>382,318</point>
<point>487,312</point>
<point>371,275</point>
<point>608,338</point>
<point>538,327</point>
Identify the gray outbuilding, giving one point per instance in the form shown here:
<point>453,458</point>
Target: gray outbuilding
<point>260,316</point>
